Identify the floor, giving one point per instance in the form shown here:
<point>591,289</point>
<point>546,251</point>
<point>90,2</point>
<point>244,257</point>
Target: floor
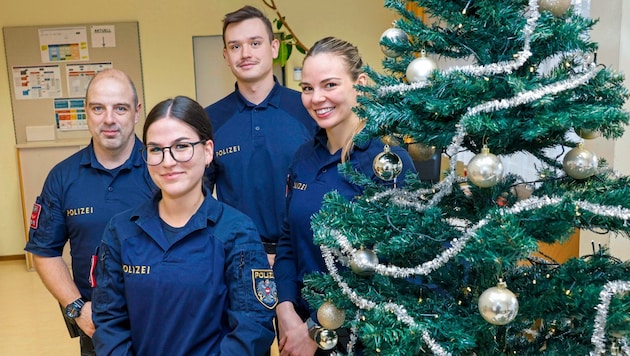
<point>30,320</point>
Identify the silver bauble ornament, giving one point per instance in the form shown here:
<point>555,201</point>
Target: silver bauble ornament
<point>587,134</point>
<point>395,35</point>
<point>420,152</point>
<point>326,339</point>
<point>420,69</point>
<point>387,165</point>
<point>485,169</point>
<point>498,305</point>
<point>557,7</point>
<point>363,256</point>
<point>330,317</point>
<point>580,163</point>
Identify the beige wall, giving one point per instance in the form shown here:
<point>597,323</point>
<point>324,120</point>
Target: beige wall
<point>613,34</point>
<point>166,31</point>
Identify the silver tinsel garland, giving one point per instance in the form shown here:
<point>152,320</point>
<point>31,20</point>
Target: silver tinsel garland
<point>362,303</point>
<point>457,244</point>
<point>599,326</point>
<point>424,199</point>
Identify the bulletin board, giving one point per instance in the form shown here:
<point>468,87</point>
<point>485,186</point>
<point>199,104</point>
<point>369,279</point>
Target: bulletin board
<point>50,66</point>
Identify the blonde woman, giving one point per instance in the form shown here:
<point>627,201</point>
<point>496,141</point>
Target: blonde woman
<point>330,71</point>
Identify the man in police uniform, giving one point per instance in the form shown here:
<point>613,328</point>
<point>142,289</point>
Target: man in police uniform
<point>84,191</point>
<point>258,127</point>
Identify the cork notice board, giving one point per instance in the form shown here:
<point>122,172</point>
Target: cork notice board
<point>49,67</point>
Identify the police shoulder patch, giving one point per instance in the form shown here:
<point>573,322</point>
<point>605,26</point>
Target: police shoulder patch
<point>264,287</point>
<point>37,209</point>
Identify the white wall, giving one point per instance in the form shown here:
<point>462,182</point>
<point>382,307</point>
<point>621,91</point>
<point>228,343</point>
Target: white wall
<point>613,35</point>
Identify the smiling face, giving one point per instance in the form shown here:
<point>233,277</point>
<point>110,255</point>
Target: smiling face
<point>248,51</point>
<point>112,112</point>
<point>328,92</point>
<point>178,179</point>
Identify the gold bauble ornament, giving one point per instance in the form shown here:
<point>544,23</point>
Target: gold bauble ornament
<point>580,163</point>
<point>587,134</point>
<point>556,7</point>
<point>498,305</point>
<point>420,152</point>
<point>391,140</point>
<point>330,317</point>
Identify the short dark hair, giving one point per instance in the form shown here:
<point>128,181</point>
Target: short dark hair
<point>245,13</point>
<point>182,108</point>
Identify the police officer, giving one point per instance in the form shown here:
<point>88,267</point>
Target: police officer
<point>331,70</point>
<point>182,274</point>
<point>258,126</point>
<point>83,192</point>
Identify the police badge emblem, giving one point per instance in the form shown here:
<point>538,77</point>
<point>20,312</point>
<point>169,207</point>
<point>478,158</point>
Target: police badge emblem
<point>264,286</point>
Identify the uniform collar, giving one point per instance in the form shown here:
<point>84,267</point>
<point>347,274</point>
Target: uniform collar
<point>207,214</point>
<point>321,139</point>
<point>146,216</point>
<point>88,157</point>
<point>273,99</point>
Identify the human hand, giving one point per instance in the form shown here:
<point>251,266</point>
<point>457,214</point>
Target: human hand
<point>84,321</point>
<point>294,339</point>
<point>271,258</point>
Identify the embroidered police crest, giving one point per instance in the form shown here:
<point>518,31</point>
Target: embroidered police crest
<point>264,286</point>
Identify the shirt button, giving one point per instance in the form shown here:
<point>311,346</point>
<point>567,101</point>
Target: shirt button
<point>110,189</point>
<point>257,128</point>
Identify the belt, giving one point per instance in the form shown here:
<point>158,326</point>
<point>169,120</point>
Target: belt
<point>270,247</point>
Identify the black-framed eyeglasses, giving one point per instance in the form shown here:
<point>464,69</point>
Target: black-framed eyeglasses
<point>180,151</point>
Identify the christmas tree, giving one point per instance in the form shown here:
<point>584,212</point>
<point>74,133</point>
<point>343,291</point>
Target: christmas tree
<point>452,267</point>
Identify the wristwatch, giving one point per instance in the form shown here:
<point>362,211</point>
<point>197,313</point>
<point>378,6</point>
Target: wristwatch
<point>73,310</point>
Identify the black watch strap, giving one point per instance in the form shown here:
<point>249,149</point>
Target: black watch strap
<point>79,303</point>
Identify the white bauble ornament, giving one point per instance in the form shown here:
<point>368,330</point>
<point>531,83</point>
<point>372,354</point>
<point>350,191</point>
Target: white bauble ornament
<point>395,35</point>
<point>363,256</point>
<point>485,169</point>
<point>420,152</point>
<point>587,134</point>
<point>498,305</point>
<point>387,165</point>
<point>330,317</point>
<point>420,69</point>
<point>580,163</point>
<point>557,7</point>
<point>326,339</point>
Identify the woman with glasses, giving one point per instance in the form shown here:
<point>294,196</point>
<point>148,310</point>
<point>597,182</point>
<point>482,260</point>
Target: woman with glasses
<point>182,274</point>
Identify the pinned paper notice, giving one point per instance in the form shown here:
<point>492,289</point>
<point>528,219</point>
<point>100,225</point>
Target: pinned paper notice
<point>103,36</point>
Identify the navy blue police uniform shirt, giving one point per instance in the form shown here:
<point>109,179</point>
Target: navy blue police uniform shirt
<point>314,173</point>
<point>78,198</point>
<point>254,146</point>
<point>203,289</point>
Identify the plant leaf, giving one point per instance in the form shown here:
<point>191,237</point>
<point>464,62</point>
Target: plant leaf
<point>282,54</point>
